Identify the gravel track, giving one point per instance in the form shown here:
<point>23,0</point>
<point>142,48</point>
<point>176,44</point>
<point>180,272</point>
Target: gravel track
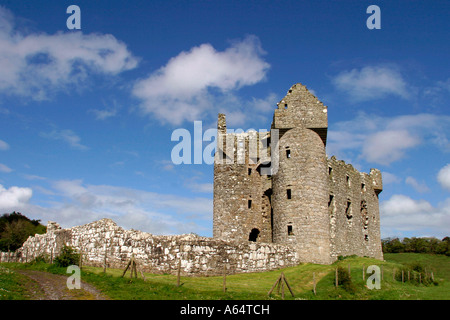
<point>48,286</point>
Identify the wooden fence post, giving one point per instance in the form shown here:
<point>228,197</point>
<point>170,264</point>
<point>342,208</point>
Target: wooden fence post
<point>314,283</point>
<point>81,258</point>
<point>224,278</point>
<point>274,285</point>
<point>336,278</point>
<point>280,282</point>
<point>104,262</point>
<point>134,268</point>
<point>178,273</point>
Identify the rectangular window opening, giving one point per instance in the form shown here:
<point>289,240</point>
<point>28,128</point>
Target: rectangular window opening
<point>348,210</point>
<point>289,194</point>
<point>290,231</point>
<point>249,171</point>
<point>249,204</point>
<point>288,153</point>
<point>330,169</point>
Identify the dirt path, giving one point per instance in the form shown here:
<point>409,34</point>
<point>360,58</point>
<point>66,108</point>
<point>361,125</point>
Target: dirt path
<point>48,286</point>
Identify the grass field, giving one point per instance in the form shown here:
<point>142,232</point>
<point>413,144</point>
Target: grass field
<point>255,286</point>
<point>13,286</point>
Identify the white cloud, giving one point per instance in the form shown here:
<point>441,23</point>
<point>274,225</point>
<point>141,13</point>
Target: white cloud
<point>420,187</point>
<point>183,88</point>
<point>267,104</point>
<point>5,168</point>
<point>131,208</point>
<point>403,214</point>
<point>201,187</point>
<point>389,178</point>
<point>33,177</point>
<point>75,203</point>
<point>33,65</point>
<point>387,146</point>
<point>68,136</point>
<point>3,145</point>
<point>14,197</point>
<point>443,177</point>
<point>437,94</point>
<point>372,82</point>
<point>385,140</point>
<point>104,114</point>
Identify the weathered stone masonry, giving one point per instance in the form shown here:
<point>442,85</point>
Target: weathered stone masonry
<point>311,209</point>
<point>319,206</point>
<point>156,254</point>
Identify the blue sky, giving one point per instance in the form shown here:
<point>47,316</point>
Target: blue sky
<point>86,116</point>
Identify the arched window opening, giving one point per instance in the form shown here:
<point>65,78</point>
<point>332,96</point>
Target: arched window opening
<point>253,235</point>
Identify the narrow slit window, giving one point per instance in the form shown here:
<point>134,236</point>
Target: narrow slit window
<point>330,170</point>
<point>330,201</point>
<point>289,193</point>
<point>249,203</point>
<point>285,106</point>
<point>348,210</point>
<point>363,187</point>
<point>348,180</point>
<point>288,153</point>
<point>249,171</point>
<point>290,230</point>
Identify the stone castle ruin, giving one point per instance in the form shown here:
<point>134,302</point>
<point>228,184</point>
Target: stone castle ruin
<point>310,209</point>
<point>319,206</point>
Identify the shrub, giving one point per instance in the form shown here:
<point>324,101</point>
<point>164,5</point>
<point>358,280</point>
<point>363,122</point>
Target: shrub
<point>345,281</point>
<point>39,259</point>
<point>67,257</point>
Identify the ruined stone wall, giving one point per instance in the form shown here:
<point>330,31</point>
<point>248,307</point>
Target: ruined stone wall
<point>242,209</point>
<point>240,205</point>
<point>322,214</point>
<point>158,254</point>
<point>353,209</point>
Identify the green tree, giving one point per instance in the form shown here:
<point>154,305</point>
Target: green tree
<point>393,246</point>
<point>67,257</point>
<point>15,229</point>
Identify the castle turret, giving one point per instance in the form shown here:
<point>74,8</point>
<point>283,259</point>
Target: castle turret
<point>322,208</point>
<point>301,109</point>
<point>300,187</point>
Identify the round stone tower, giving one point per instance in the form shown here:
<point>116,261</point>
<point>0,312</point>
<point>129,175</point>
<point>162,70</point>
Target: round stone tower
<point>300,186</point>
